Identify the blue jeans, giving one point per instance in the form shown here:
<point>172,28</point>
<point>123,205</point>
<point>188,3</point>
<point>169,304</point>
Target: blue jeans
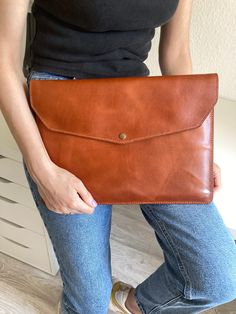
<point>199,268</point>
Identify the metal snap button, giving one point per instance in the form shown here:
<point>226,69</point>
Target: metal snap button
<point>122,136</point>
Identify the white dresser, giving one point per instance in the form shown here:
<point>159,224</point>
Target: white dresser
<point>22,231</point>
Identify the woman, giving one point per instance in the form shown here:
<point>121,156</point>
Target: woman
<point>93,39</point>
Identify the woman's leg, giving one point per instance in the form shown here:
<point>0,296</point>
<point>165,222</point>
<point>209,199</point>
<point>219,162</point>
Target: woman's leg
<point>82,247</point>
<point>199,269</point>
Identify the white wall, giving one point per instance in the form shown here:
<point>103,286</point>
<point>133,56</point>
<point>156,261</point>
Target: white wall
<point>213,43</point>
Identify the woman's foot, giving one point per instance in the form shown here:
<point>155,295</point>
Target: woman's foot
<point>131,303</point>
<point>122,298</point>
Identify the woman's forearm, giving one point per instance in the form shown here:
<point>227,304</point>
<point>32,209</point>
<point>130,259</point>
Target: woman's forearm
<point>15,109</point>
<point>174,64</point>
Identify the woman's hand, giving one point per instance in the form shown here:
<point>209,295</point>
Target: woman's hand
<point>217,177</point>
<point>60,191</point>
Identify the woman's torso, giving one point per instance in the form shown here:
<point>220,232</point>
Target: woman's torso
<point>95,38</point>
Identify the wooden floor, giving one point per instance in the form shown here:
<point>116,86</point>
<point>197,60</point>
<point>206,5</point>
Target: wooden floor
<point>135,254</point>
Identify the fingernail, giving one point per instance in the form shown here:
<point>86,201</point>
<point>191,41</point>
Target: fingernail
<point>94,203</point>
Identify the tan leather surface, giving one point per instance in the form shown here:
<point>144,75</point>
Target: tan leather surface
<point>166,154</point>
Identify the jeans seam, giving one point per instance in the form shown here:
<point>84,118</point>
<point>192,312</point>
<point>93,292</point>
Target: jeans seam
<point>187,288</point>
<point>43,75</point>
<point>165,304</point>
<point>68,307</point>
<point>38,77</point>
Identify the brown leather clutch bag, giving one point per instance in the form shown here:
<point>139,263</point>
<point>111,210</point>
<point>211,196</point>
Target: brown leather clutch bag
<point>132,140</point>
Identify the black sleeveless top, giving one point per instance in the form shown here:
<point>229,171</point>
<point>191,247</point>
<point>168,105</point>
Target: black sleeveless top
<point>96,38</point>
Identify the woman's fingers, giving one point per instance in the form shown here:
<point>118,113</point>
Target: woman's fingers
<point>217,177</point>
<point>84,193</point>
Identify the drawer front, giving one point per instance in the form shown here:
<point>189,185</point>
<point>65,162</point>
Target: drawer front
<point>17,193</point>
<point>12,170</point>
<point>21,216</point>
<point>24,245</point>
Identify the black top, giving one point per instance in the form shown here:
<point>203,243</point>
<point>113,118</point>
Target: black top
<point>96,38</point>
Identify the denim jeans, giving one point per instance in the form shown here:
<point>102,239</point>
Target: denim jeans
<point>199,268</point>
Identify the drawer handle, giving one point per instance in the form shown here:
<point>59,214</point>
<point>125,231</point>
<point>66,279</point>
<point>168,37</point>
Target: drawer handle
<point>7,199</point>
<point>3,180</point>
<point>11,223</point>
<point>22,245</point>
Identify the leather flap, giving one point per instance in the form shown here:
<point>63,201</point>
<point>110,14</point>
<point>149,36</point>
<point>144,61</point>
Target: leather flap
<point>139,107</point>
